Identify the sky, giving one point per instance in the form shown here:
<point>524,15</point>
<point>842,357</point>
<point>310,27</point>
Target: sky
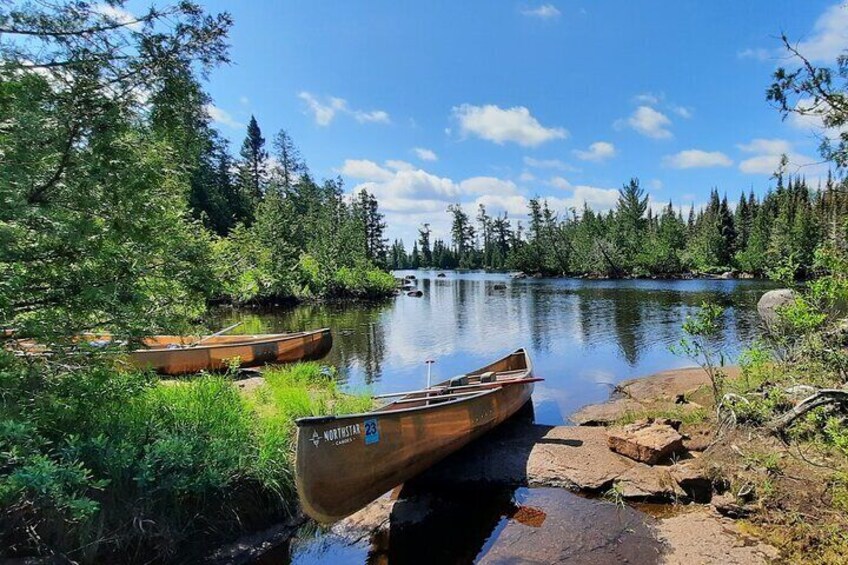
<point>428,104</point>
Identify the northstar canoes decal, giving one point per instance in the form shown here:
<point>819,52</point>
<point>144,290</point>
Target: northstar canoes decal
<point>337,436</point>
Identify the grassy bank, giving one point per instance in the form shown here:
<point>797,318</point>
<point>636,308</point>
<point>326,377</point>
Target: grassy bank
<point>98,464</point>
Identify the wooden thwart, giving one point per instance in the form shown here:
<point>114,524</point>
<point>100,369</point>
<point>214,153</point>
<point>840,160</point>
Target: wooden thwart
<point>439,389</point>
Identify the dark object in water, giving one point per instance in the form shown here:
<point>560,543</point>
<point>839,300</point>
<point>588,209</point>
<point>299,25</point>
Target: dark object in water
<point>345,462</point>
<point>415,293</point>
<point>410,277</point>
<point>441,275</point>
<point>499,287</point>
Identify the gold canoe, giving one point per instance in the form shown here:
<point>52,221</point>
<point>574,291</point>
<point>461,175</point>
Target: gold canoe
<point>345,462</point>
<point>174,355</point>
<point>177,355</point>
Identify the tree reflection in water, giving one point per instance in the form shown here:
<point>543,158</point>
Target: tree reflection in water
<point>579,332</point>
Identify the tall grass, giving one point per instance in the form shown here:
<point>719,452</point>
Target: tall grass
<point>98,464</point>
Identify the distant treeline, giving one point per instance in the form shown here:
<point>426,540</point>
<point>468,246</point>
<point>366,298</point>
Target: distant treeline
<point>776,235</point>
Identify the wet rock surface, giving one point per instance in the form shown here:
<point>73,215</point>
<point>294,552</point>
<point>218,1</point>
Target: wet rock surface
<point>494,525</point>
<point>645,441</point>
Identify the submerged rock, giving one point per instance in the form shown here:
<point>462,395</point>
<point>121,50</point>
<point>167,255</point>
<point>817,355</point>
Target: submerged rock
<point>415,293</point>
<point>645,441</point>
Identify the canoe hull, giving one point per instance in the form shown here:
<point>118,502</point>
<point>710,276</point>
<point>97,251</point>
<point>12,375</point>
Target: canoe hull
<point>279,348</point>
<point>369,454</point>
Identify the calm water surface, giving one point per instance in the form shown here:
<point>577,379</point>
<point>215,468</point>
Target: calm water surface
<point>583,336</point>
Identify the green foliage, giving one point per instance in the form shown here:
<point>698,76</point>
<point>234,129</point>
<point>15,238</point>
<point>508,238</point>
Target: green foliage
<point>180,457</point>
<point>94,227</point>
<point>698,345</point>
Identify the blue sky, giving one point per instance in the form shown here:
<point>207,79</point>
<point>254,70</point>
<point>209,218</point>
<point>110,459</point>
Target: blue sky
<point>427,104</point>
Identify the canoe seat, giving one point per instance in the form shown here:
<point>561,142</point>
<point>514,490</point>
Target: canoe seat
<point>487,377</point>
<point>461,380</point>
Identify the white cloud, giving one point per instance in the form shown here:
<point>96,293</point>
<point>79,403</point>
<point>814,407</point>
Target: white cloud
<point>545,12</point>
<point>828,39</point>
<point>682,111</point>
<point>696,158</point>
<point>487,185</point>
<point>773,146</point>
<point>398,165</point>
<point>760,165</point>
<point>425,154</point>
<point>767,154</point>
<point>758,54</point>
<point>363,169</point>
<point>222,117</point>
<point>598,151</point>
<point>655,184</point>
<point>649,98</point>
<point>830,35</point>
<point>118,15</point>
<point>376,116</point>
<point>560,182</point>
<point>245,100</point>
<point>527,176</point>
<point>500,125</point>
<point>648,122</point>
<point>324,112</point>
<point>549,164</point>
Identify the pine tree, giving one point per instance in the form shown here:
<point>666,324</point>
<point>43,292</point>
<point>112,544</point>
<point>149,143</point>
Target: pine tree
<point>424,241</point>
<point>630,221</point>
<point>252,168</point>
<point>291,165</point>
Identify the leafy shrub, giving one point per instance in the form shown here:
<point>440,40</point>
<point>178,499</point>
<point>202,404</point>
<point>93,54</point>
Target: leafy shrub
<point>97,462</point>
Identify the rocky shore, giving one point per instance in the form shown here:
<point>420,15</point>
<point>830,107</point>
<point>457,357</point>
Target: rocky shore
<point>686,521</point>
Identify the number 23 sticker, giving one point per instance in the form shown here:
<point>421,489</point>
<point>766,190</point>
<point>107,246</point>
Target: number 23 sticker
<point>372,434</point>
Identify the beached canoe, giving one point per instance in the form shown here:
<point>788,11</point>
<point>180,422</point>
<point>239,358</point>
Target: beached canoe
<point>174,355</point>
<point>177,355</point>
<point>345,462</point>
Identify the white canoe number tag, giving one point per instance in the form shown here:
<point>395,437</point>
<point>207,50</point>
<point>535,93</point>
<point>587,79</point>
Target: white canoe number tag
<point>372,434</point>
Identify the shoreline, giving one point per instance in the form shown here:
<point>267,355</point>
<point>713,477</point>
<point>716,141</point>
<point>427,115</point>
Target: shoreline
<point>576,458</point>
<point>686,276</point>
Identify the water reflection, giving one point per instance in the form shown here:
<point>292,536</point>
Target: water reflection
<point>491,525</point>
<point>582,335</point>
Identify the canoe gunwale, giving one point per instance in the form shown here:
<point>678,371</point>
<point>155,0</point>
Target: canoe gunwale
<point>528,371</point>
<point>312,420</point>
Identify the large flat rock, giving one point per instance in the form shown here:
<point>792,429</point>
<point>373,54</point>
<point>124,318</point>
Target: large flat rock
<point>698,536</point>
<point>573,457</point>
<point>655,392</point>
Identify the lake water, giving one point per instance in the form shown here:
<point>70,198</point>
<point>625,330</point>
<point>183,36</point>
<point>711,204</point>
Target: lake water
<point>584,336</point>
